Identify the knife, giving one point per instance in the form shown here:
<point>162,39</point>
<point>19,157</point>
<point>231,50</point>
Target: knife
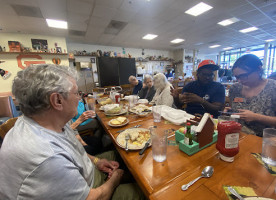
<point>235,193</point>
<point>137,126</point>
<point>146,146</point>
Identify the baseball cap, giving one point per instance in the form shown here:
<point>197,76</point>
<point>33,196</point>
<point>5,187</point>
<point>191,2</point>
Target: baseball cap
<point>208,64</point>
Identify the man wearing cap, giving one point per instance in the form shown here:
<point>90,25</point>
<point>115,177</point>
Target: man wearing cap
<point>204,94</point>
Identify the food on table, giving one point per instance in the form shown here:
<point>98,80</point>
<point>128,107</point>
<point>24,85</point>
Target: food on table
<point>140,108</point>
<point>118,121</point>
<point>182,130</point>
<point>138,138</point>
<point>106,101</point>
<point>115,110</point>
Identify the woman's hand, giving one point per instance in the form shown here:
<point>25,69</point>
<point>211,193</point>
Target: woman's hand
<point>247,115</point>
<point>86,115</point>
<point>107,166</point>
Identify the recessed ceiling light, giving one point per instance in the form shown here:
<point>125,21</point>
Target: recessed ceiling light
<point>149,37</point>
<point>269,40</point>
<point>198,9</point>
<point>214,46</point>
<point>228,21</point>
<point>247,30</point>
<point>57,23</point>
<point>178,40</point>
<point>227,48</point>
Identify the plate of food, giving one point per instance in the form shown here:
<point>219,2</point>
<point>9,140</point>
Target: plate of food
<point>137,138</point>
<point>104,101</point>
<point>108,106</point>
<point>140,108</point>
<point>118,122</point>
<point>115,111</point>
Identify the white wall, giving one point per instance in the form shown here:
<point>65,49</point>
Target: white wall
<point>11,63</point>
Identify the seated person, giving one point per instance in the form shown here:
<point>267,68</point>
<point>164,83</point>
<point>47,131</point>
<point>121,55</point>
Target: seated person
<point>204,94</point>
<point>169,74</point>
<point>253,97</point>
<point>137,84</point>
<point>43,158</point>
<point>148,91</point>
<point>162,95</point>
<point>84,121</point>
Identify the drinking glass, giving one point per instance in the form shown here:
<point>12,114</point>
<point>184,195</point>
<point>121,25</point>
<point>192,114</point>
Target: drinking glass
<point>156,110</point>
<point>91,106</point>
<point>159,145</point>
<point>269,146</point>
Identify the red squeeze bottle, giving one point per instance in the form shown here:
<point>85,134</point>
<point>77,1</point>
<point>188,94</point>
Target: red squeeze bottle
<point>228,139</point>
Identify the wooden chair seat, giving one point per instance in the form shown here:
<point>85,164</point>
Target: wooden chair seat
<point>5,127</point>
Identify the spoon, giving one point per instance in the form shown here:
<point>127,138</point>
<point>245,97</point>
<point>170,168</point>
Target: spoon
<point>126,138</point>
<point>206,173</point>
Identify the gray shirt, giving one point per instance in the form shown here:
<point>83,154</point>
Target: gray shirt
<point>264,103</point>
<point>37,163</point>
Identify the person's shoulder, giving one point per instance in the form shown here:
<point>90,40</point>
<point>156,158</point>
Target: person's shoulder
<point>191,84</point>
<point>271,82</point>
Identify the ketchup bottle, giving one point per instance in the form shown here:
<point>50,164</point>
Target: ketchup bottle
<point>228,139</point>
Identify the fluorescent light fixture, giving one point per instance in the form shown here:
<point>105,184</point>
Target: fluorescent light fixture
<point>269,40</point>
<point>227,48</point>
<point>228,21</point>
<point>57,23</point>
<point>149,37</point>
<point>214,46</point>
<point>247,30</point>
<point>178,40</point>
<point>198,9</point>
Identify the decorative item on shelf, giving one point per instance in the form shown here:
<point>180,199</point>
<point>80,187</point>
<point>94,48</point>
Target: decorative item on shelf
<point>55,50</point>
<point>129,55</point>
<point>40,45</point>
<point>4,49</point>
<point>5,74</point>
<point>92,60</point>
<point>99,53</point>
<point>124,52</point>
<point>59,50</point>
<point>26,49</point>
<point>52,51</point>
<point>111,54</point>
<point>64,50</point>
<point>143,53</point>
<point>14,46</point>
<point>56,61</point>
<point>115,54</point>
<point>71,56</point>
<point>56,44</point>
<point>106,54</point>
<point>1,49</point>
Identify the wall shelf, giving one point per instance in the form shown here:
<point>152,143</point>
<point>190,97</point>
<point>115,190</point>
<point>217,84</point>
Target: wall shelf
<point>32,53</point>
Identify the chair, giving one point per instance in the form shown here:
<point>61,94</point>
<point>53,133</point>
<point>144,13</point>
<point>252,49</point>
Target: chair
<point>127,89</point>
<point>7,109</point>
<point>6,126</point>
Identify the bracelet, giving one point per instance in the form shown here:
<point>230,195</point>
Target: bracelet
<point>95,160</point>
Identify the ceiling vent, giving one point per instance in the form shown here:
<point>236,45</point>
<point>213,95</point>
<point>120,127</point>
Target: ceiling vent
<point>28,11</point>
<point>114,27</point>
<point>77,33</point>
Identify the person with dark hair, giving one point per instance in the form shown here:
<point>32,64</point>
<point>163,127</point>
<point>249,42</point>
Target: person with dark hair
<point>40,156</point>
<point>203,95</point>
<point>253,98</point>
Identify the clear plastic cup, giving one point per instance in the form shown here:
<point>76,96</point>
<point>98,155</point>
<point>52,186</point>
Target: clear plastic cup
<point>269,146</point>
<point>159,146</point>
<point>156,111</point>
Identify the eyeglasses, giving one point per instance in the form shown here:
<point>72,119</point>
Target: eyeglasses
<point>243,76</point>
<point>207,75</point>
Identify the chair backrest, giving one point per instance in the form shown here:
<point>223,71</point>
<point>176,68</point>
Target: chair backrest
<point>5,107</point>
<point>4,128</point>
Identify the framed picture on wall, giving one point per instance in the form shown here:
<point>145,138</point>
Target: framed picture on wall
<point>161,64</point>
<point>39,44</point>
<point>59,50</point>
<point>92,60</point>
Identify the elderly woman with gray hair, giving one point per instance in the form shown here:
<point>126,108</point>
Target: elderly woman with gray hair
<point>148,91</point>
<point>162,95</point>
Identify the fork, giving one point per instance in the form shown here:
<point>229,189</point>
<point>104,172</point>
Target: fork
<point>127,138</point>
<point>234,192</point>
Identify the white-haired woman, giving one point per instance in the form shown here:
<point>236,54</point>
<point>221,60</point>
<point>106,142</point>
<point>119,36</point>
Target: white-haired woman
<point>148,91</point>
<point>162,95</point>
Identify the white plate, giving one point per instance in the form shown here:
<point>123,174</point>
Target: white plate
<point>140,109</point>
<point>122,142</point>
<point>257,198</point>
<point>118,125</point>
<point>123,111</point>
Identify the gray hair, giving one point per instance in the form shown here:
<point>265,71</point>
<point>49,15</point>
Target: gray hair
<point>33,86</point>
<point>146,77</point>
<point>132,78</point>
<point>160,81</point>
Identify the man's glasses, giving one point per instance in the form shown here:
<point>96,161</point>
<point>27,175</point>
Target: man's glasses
<point>243,76</point>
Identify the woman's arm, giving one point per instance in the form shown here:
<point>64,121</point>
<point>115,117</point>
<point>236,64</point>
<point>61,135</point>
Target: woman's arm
<point>249,116</point>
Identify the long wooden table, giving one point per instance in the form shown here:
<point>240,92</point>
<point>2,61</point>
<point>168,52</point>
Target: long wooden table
<point>163,180</point>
